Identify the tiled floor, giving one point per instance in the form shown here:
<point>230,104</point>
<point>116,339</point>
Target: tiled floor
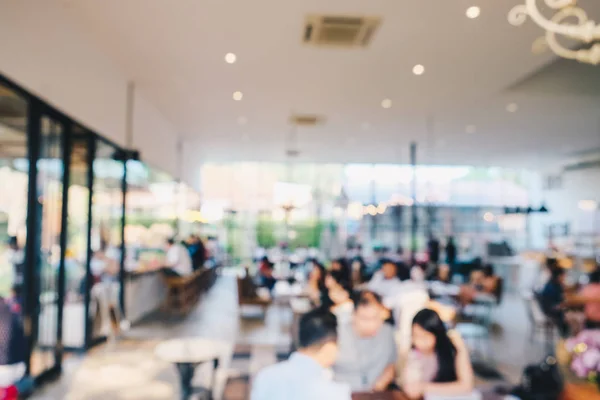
<point>128,369</point>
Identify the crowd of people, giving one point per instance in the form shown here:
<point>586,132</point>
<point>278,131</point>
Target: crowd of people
<point>351,335</point>
<point>358,347</point>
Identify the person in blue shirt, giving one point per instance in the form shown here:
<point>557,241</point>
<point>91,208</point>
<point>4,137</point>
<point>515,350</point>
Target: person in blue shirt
<point>305,374</point>
<point>552,296</point>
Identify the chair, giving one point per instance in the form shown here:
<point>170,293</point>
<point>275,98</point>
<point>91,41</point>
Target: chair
<point>540,322</point>
<point>481,310</point>
<point>478,338</point>
<point>246,298</point>
<point>183,292</point>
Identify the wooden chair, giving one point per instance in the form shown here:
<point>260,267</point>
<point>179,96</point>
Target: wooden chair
<point>247,299</point>
<point>184,292</point>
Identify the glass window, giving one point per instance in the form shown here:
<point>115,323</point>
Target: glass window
<point>14,168</point>
<point>106,240</point>
<point>77,241</point>
<point>49,190</point>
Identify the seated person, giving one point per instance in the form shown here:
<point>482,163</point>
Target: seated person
<point>483,281</point>
<point>403,271</point>
<point>12,346</point>
<point>551,298</point>
<point>316,283</point>
<point>303,375</point>
<point>359,271</point>
<point>589,297</point>
<point>178,262</point>
<point>385,282</point>
<point>265,272</point>
<point>439,363</point>
<point>197,251</point>
<point>342,268</point>
<point>441,274</point>
<point>341,304</point>
<point>368,354</point>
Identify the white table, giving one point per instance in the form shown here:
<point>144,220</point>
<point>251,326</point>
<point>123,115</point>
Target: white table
<point>187,354</point>
<point>443,289</point>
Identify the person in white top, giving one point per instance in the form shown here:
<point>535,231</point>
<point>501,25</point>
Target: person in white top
<point>178,261</point>
<point>385,282</point>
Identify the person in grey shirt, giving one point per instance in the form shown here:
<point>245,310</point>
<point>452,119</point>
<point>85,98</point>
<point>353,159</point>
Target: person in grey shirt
<point>367,349</point>
<point>304,376</point>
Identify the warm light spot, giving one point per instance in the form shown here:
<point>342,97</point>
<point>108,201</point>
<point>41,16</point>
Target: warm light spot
<point>230,58</point>
<point>473,12</point>
<point>418,69</point>
<point>488,217</point>
<point>587,205</point>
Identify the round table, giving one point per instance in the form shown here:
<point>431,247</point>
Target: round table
<point>187,354</point>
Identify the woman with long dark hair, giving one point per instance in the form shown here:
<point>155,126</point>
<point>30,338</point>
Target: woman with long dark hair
<point>439,363</point>
<point>341,268</point>
<point>315,287</point>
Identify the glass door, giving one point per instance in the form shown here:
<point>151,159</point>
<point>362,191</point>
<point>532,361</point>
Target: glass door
<point>105,308</point>
<point>48,268</point>
<point>76,252</point>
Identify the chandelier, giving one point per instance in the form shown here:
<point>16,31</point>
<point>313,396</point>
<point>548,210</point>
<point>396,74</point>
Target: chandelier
<point>583,30</point>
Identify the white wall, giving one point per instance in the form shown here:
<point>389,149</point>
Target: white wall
<point>564,208</point>
<point>154,136</point>
<point>42,51</point>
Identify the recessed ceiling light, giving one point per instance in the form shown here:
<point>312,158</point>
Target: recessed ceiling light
<point>386,103</point>
<point>418,69</point>
<point>471,129</point>
<point>512,107</point>
<point>237,96</point>
<point>230,58</point>
<point>473,12</point>
<point>242,120</point>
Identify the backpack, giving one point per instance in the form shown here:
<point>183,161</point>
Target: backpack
<point>540,382</point>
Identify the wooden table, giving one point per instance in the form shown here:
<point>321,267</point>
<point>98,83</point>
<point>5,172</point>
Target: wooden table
<point>580,391</point>
<point>187,354</point>
<point>575,389</point>
<point>380,396</point>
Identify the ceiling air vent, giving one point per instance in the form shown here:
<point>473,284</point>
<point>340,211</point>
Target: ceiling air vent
<point>342,31</point>
<point>306,120</point>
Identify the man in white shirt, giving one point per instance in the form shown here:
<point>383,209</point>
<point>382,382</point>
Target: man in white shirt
<point>385,282</point>
<point>305,375</point>
<point>178,260</point>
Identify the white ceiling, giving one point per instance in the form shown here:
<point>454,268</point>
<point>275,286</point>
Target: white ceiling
<point>174,51</point>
